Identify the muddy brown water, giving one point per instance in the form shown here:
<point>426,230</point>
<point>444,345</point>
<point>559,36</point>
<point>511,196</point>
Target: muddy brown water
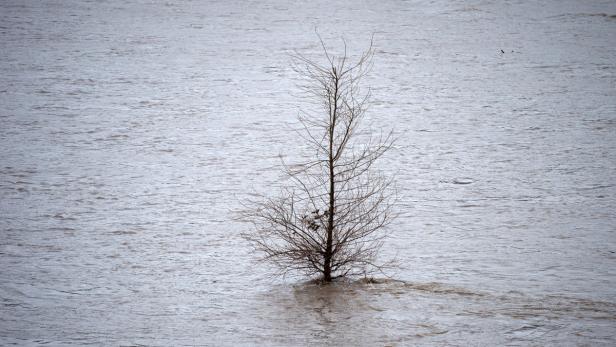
<point>130,132</point>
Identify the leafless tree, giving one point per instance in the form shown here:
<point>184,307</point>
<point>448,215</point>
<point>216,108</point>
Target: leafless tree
<point>332,217</point>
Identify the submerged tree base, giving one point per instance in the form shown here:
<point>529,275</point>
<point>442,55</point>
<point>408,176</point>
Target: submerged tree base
<point>352,282</point>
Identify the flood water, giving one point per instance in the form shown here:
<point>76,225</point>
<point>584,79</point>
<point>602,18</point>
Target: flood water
<point>130,133</point>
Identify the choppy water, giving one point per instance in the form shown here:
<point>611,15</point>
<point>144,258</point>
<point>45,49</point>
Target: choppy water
<point>130,132</point>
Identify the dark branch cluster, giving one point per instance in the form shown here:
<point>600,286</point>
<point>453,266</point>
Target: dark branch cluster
<point>330,220</point>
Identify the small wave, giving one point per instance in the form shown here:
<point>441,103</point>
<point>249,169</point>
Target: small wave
<point>123,232</point>
<point>396,287</point>
<point>578,15</point>
<point>604,15</point>
<point>431,330</point>
<point>470,205</point>
<point>463,180</point>
<point>60,216</point>
<point>440,288</point>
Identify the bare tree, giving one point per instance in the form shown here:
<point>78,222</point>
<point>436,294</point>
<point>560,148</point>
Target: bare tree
<point>330,220</point>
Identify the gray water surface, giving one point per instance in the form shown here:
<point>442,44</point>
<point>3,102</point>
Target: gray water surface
<point>130,132</point>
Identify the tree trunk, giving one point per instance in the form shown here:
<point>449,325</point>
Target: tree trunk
<point>327,271</point>
<point>327,263</point>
